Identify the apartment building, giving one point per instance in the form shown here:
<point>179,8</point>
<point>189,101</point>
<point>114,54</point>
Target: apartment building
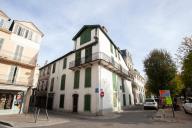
<point>19,48</point>
<point>92,78</point>
<point>138,88</point>
<point>138,82</point>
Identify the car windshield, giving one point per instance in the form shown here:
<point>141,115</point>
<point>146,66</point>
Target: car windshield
<point>149,100</point>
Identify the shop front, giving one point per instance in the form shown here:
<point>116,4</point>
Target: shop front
<point>11,101</point>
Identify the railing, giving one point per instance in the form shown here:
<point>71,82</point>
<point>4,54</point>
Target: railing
<point>99,56</point>
<point>12,56</point>
<point>18,81</point>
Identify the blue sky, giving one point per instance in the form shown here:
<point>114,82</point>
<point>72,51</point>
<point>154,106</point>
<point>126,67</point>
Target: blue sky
<point>136,25</point>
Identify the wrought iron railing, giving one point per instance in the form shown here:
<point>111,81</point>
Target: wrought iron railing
<point>99,56</point>
<point>12,56</point>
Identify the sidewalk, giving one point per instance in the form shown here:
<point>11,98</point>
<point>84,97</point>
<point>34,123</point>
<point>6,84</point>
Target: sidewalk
<point>166,115</point>
<point>20,121</point>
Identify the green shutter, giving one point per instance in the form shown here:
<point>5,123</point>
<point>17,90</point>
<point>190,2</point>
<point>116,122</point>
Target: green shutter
<point>85,36</point>
<point>124,100</point>
<point>111,46</point>
<point>1,42</point>
<point>78,58</point>
<point>76,79</point>
<point>12,70</point>
<point>87,103</point>
<point>88,54</point>
<point>63,82</point>
<point>88,77</point>
<point>64,63</point>
<point>52,84</point>
<point>61,103</point>
<point>114,82</point>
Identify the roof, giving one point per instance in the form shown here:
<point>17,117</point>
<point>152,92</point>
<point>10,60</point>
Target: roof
<point>3,14</point>
<point>95,26</point>
<point>57,59</point>
<point>31,24</point>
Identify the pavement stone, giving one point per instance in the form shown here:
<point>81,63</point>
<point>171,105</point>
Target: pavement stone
<point>27,120</point>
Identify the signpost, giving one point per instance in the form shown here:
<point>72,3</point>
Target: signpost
<point>166,99</point>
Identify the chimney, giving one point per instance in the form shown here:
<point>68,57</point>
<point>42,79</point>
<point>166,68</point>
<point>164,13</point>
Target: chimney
<point>46,62</point>
<point>104,29</point>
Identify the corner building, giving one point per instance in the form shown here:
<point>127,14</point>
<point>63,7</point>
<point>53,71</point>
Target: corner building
<point>19,48</point>
<point>76,81</point>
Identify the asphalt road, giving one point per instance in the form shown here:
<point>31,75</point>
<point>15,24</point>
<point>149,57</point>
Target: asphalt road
<point>128,119</point>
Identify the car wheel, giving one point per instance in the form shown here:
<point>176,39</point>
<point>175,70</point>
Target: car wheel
<point>185,111</point>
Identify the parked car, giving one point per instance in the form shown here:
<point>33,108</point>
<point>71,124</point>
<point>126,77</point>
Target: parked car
<point>187,106</point>
<point>150,104</point>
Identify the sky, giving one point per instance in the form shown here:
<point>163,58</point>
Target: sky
<point>136,25</point>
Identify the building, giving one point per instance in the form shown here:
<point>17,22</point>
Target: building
<point>92,78</point>
<point>19,48</point>
<point>138,85</point>
<point>138,82</point>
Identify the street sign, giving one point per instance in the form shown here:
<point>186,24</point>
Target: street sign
<point>102,94</point>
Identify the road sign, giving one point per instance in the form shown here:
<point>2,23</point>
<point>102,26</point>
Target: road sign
<point>102,93</point>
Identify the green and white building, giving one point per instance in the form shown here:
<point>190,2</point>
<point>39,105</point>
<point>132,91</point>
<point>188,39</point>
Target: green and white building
<point>77,81</point>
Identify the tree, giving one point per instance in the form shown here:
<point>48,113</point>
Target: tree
<point>160,69</point>
<point>184,49</point>
<point>176,84</point>
<point>187,70</point>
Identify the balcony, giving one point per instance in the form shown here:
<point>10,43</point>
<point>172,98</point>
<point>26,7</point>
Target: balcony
<point>22,81</point>
<point>10,57</point>
<point>102,59</point>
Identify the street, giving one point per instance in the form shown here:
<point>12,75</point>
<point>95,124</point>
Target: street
<point>128,119</point>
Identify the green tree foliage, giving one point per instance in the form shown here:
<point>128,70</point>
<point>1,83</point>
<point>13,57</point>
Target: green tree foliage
<point>187,70</point>
<point>160,69</point>
<point>176,85</point>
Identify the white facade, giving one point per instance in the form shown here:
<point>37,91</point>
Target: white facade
<point>109,74</point>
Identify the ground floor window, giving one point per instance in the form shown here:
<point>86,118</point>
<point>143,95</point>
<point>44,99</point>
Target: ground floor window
<point>6,101</point>
<point>61,104</point>
<point>87,103</point>
<point>124,100</point>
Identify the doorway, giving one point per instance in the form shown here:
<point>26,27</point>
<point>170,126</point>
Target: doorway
<point>75,102</point>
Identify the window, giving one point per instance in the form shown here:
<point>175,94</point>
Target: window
<point>1,42</point>
<point>64,63</point>
<point>13,74</point>
<point>88,54</point>
<point>63,82</point>
<point>20,31</point>
<point>114,82</point>
<point>77,58</point>
<point>1,23</point>
<point>116,52</point>
<point>30,35</point>
<point>111,47</point>
<point>52,84</point>
<point>18,52</point>
<point>61,103</point>
<point>87,103</point>
<point>26,33</point>
<point>85,36</point>
<point>124,100</point>
<point>123,86</point>
<point>54,66</point>
<point>76,79</point>
<point>88,77</point>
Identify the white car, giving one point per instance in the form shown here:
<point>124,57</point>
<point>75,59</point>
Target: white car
<point>150,104</point>
<point>187,106</point>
